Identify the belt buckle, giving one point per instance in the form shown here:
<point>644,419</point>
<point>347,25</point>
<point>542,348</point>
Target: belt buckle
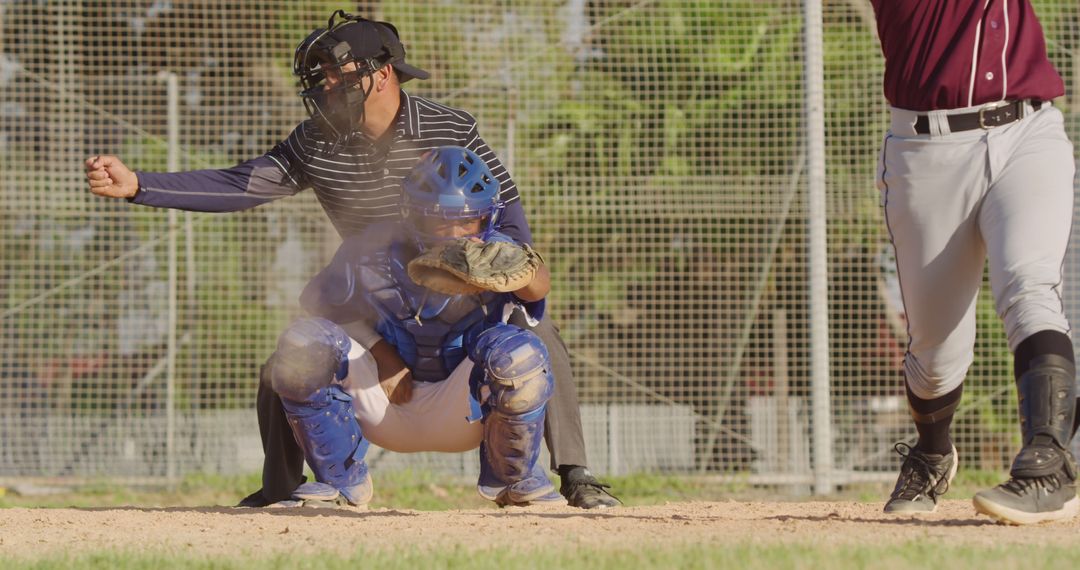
<point>990,107</point>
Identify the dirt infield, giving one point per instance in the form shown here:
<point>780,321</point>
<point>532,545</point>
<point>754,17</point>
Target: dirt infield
<point>245,532</point>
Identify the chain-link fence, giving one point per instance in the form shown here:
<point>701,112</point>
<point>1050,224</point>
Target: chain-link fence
<point>661,151</point>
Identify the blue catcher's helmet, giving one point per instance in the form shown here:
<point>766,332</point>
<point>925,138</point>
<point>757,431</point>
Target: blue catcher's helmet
<point>450,183</point>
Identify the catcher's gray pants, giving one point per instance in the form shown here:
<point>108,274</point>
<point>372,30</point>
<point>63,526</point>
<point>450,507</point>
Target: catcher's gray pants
<point>283,465</point>
<point>953,199</point>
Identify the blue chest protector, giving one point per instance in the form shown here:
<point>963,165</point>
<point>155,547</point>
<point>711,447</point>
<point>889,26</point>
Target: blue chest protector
<point>427,328</point>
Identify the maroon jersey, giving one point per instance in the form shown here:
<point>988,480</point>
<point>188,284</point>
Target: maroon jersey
<point>947,54</point>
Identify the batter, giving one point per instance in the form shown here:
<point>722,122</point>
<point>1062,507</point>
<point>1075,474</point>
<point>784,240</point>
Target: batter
<point>976,165</point>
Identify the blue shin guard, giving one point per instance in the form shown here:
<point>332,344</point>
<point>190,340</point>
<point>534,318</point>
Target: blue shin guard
<point>517,372</point>
<point>334,447</point>
<point>509,471</point>
<point>310,354</point>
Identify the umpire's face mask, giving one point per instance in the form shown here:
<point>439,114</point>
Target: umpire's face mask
<point>334,89</point>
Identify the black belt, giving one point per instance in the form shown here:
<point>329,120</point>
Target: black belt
<point>985,118</point>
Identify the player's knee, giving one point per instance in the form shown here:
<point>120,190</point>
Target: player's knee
<point>527,396</point>
<point>310,354</point>
<point>929,379</point>
<point>1026,319</point>
<point>1029,302</point>
<point>508,353</point>
<point>516,366</point>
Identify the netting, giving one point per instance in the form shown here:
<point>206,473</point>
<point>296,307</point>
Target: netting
<point>660,150</point>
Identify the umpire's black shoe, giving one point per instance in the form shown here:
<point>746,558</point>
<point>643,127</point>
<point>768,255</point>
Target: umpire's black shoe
<point>1030,500</point>
<point>582,490</point>
<point>923,478</point>
<point>255,500</point>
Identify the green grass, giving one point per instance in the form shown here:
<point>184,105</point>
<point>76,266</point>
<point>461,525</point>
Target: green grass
<point>397,489</point>
<point>193,490</point>
<point>921,554</point>
<point>427,491</point>
<point>431,492</point>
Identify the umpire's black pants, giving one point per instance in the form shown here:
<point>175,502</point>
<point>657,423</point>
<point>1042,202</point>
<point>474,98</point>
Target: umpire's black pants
<point>283,465</point>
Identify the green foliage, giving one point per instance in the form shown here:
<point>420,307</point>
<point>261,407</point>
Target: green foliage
<point>691,554</point>
<point>297,19</point>
<point>667,78</point>
<point>151,154</point>
<point>197,489</point>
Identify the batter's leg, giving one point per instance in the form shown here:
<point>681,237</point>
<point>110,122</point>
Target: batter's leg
<point>933,419</point>
<point>930,466</point>
<point>1041,344</point>
<point>930,193</point>
<point>1028,221</point>
<point>931,190</point>
<point>1027,218</point>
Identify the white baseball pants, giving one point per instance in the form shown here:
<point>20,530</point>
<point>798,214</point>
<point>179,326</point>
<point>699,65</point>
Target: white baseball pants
<point>952,200</point>
<point>433,420</point>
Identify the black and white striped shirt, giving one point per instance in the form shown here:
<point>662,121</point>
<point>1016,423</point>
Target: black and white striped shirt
<point>357,185</point>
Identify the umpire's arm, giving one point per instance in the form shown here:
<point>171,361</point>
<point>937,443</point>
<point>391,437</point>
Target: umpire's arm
<point>243,186</point>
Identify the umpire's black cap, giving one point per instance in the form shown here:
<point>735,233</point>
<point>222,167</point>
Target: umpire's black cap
<point>379,41</point>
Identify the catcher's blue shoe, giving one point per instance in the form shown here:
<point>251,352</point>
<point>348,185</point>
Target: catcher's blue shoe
<point>536,489</point>
<point>321,495</point>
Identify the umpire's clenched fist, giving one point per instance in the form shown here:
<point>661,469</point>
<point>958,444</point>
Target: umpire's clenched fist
<point>110,177</point>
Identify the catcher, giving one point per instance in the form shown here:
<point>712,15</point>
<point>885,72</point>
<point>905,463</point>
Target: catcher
<point>439,286</point>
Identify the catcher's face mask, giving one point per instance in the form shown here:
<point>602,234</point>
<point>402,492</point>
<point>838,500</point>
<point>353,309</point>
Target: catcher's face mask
<point>443,228</point>
<point>450,193</point>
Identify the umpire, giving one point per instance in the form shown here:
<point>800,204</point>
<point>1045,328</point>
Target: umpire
<point>364,135</point>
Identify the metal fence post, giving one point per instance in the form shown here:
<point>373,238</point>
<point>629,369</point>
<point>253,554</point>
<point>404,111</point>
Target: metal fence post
<point>173,137</point>
<point>818,224</point>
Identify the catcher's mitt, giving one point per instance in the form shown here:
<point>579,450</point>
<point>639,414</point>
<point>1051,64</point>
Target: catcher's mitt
<point>464,267</point>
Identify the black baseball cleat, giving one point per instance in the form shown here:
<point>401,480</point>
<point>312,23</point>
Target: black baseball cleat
<point>923,478</point>
<point>583,491</point>
<point>1030,500</point>
<point>1042,480</point>
<point>255,500</point>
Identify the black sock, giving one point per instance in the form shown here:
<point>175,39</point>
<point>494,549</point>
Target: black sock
<point>933,418</point>
<point>1038,344</point>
